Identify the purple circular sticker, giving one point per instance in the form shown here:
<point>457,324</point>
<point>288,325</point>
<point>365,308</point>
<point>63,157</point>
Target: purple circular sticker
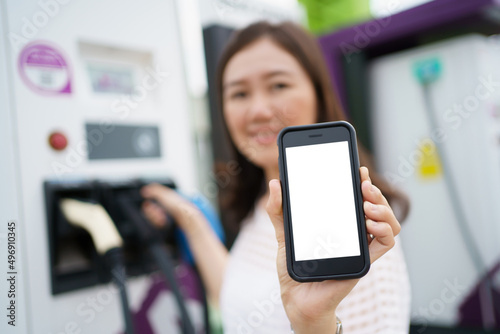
<point>44,69</point>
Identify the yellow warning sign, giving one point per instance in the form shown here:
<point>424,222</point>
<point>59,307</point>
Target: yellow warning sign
<point>429,165</point>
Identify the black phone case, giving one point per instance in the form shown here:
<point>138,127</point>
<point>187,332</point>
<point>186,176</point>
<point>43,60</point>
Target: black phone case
<point>358,198</point>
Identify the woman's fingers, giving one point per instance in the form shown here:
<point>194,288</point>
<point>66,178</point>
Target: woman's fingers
<point>381,223</point>
<point>370,192</point>
<point>155,214</point>
<point>382,213</point>
<point>364,174</point>
<point>152,190</point>
<point>376,206</point>
<point>383,239</point>
<point>169,199</point>
<point>275,210</point>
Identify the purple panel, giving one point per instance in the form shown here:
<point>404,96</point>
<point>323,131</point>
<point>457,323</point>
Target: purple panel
<point>381,36</point>
<point>189,284</point>
<point>472,311</point>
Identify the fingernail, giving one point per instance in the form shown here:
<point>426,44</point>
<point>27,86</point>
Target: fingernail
<point>372,188</point>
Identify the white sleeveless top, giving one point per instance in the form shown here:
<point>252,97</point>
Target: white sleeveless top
<point>250,298</point>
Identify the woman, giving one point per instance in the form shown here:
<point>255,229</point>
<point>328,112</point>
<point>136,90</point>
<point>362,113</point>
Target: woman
<point>269,77</point>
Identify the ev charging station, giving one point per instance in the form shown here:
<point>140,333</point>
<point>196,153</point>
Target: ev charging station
<point>93,105</point>
<point>423,89</point>
<point>450,168</point>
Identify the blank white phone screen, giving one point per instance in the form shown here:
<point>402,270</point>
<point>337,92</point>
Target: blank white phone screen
<point>322,201</point>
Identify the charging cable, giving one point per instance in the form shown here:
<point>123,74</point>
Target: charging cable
<point>150,237</point>
<point>95,220</point>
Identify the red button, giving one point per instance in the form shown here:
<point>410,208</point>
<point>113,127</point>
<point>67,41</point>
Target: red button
<point>58,141</point>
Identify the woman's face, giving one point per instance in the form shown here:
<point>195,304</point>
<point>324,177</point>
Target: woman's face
<point>264,90</point>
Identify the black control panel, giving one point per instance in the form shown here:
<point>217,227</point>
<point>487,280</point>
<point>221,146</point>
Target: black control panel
<point>117,141</point>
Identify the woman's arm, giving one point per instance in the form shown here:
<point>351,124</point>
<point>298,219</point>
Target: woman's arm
<point>311,307</point>
<point>209,253</point>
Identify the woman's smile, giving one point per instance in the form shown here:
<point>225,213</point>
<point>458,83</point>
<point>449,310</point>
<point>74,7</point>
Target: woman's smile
<point>263,136</point>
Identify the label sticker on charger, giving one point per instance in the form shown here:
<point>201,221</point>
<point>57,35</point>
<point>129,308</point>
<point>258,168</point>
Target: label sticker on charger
<point>430,164</point>
<point>44,69</point>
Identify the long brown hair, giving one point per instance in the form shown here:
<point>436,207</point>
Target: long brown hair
<point>238,196</point>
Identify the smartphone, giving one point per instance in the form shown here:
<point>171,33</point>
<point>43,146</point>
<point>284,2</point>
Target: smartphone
<point>325,231</point>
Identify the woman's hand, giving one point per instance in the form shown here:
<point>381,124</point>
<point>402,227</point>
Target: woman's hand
<point>170,201</point>
<point>208,251</point>
<point>311,306</point>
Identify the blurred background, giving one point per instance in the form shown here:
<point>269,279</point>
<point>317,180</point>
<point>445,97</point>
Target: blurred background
<point>98,98</point>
